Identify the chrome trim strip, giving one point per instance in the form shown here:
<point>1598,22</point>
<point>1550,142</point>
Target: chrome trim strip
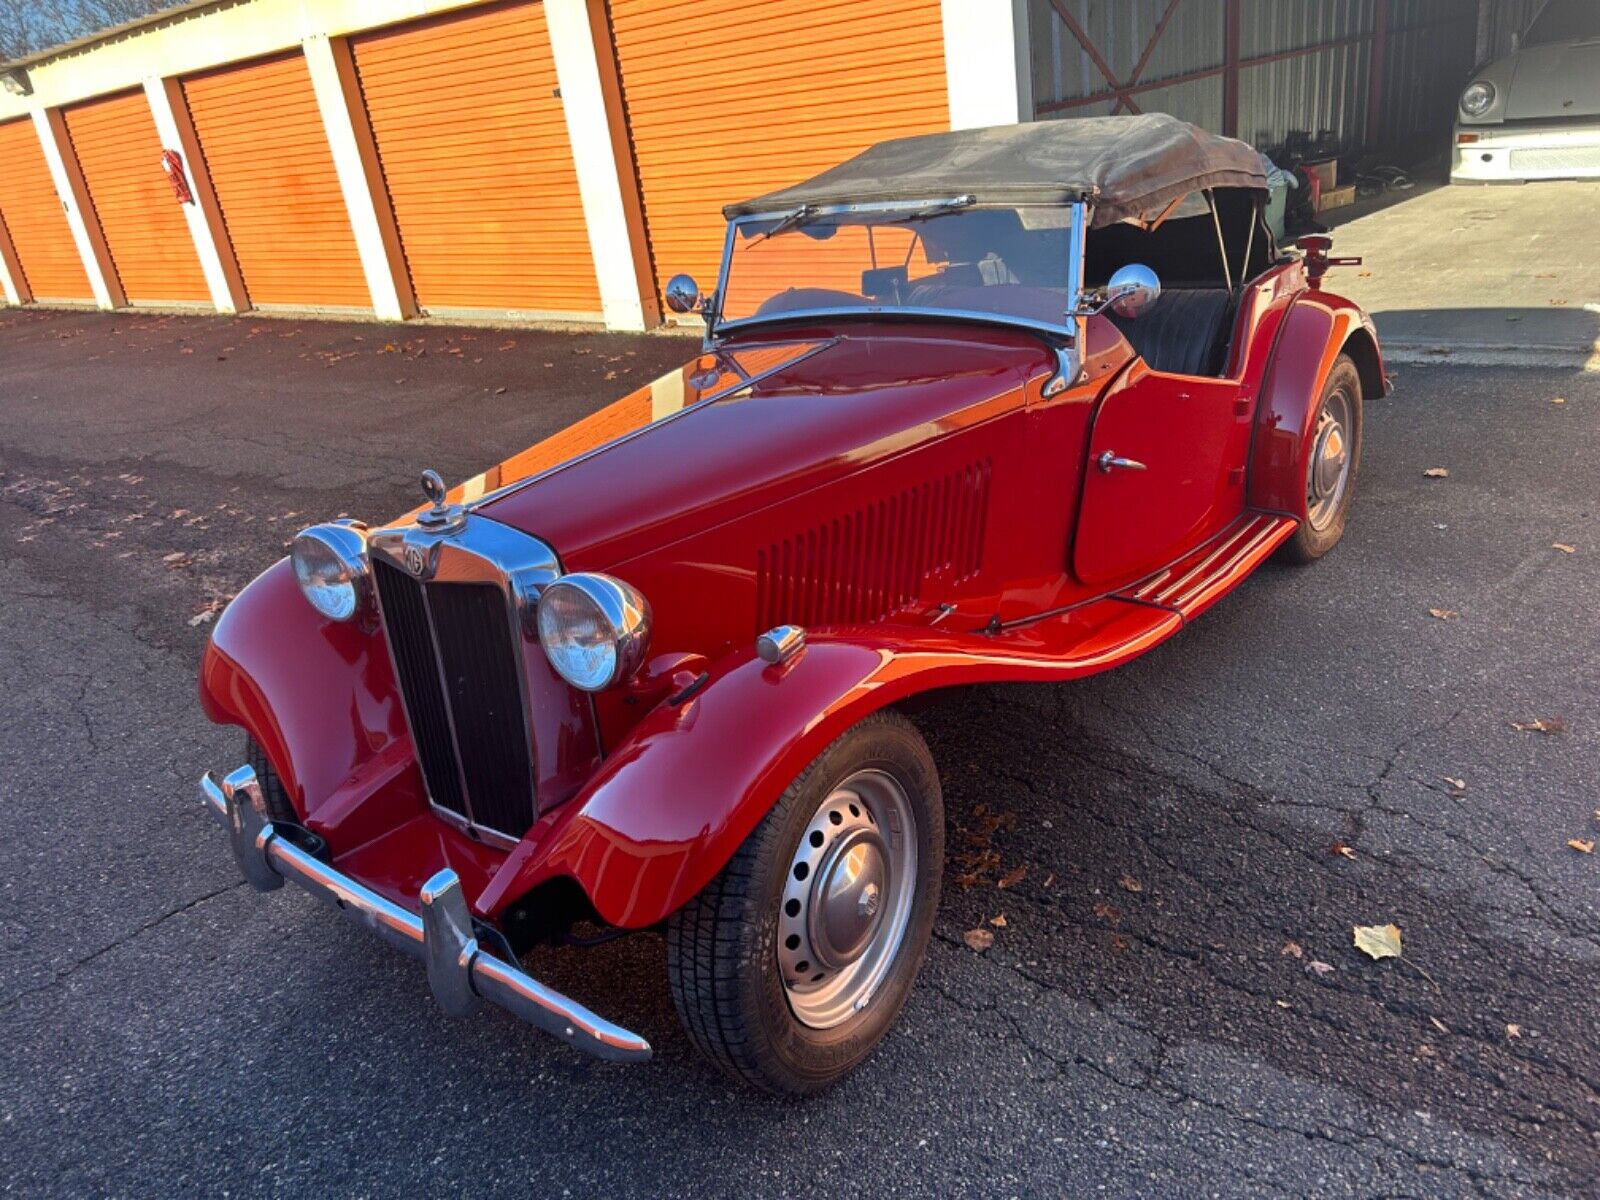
<point>460,970</point>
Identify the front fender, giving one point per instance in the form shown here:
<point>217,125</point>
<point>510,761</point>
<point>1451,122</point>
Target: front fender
<point>1318,328</point>
<point>672,803</point>
<point>318,695</point>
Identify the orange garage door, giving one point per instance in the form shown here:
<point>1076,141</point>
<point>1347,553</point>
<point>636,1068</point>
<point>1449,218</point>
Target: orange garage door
<point>475,154</point>
<point>35,219</point>
<point>727,99</point>
<point>267,151</point>
<point>119,152</point>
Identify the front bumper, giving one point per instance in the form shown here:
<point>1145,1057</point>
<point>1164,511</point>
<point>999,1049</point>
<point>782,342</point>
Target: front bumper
<point>460,970</point>
<point>1512,152</point>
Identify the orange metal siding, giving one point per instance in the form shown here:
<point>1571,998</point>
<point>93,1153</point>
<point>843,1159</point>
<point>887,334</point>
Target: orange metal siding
<point>727,99</point>
<point>33,214</point>
<point>267,152</point>
<point>476,158</point>
<point>119,152</point>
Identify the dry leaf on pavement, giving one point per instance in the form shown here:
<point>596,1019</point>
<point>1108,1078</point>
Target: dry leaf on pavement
<point>1582,845</point>
<point>1108,912</point>
<point>999,922</point>
<point>1321,968</point>
<point>1049,880</point>
<point>1558,399</point>
<point>1443,614</point>
<point>1378,941</point>
<point>1439,1025</point>
<point>1012,878</point>
<point>1437,473</point>
<point>1541,725</point>
<point>1129,884</point>
<point>1563,547</point>
<point>1459,785</point>
<point>1342,850</point>
<point>1513,1031</point>
<point>978,939</point>
<point>1293,950</point>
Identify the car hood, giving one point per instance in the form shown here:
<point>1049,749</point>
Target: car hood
<point>1561,80</point>
<point>757,422</point>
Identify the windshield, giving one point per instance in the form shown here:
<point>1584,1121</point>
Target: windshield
<point>946,255</point>
<point>1565,21</point>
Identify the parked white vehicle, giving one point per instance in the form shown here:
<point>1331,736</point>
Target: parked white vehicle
<point>1535,114</point>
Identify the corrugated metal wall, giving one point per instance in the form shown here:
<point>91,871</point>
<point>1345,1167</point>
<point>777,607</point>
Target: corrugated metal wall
<point>1304,66</point>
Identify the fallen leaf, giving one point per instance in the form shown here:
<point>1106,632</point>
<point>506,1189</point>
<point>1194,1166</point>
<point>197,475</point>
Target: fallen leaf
<point>1443,614</point>
<point>1459,785</point>
<point>1341,849</point>
<point>1012,878</point>
<point>1439,1025</point>
<point>1426,1051</point>
<point>1118,942</point>
<point>1108,912</point>
<point>978,939</point>
<point>998,922</point>
<point>1582,845</point>
<point>1541,725</point>
<point>1378,941</point>
<point>1293,950</point>
<point>1513,1031</point>
<point>1563,547</point>
<point>1321,968</point>
<point>1558,399</point>
<point>967,880</point>
<point>1129,884</point>
<point>1050,879</point>
<point>1281,1003</point>
<point>499,391</point>
<point>1437,473</point>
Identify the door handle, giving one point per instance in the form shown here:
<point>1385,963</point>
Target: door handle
<point>1108,462</point>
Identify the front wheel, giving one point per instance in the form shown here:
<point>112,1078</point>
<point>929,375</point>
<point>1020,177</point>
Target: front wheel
<point>795,960</point>
<point>1331,467</point>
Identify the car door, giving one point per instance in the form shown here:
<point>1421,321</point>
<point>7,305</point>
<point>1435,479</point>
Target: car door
<point>1165,471</point>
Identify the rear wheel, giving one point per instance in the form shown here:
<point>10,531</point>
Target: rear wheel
<point>1331,466</point>
<point>795,960</point>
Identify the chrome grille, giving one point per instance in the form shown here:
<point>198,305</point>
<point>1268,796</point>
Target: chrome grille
<point>458,666</point>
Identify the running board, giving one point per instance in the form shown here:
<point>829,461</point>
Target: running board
<point>1203,576</point>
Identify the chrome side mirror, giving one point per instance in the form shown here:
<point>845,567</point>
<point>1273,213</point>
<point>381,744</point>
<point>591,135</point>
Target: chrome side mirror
<point>683,294</point>
<point>1132,289</point>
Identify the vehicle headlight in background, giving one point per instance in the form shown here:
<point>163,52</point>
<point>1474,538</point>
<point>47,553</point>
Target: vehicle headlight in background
<point>595,630</point>
<point>1477,99</point>
<point>330,564</point>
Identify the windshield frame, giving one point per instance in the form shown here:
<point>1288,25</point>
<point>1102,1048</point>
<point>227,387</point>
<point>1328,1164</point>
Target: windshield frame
<point>1068,330</point>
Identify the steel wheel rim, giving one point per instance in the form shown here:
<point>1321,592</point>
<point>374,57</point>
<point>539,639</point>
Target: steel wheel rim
<point>1328,472</point>
<point>847,899</point>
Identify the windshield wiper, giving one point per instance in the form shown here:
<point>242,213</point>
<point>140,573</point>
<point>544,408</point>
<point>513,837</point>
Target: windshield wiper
<point>792,220</point>
<point>937,208</point>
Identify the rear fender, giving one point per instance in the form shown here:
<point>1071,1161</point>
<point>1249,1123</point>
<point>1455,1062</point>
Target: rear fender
<point>1319,327</point>
<point>673,802</point>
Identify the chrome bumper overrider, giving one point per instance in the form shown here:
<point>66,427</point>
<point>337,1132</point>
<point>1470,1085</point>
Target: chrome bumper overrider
<point>460,971</point>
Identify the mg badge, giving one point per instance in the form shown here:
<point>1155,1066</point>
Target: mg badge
<point>415,562</point>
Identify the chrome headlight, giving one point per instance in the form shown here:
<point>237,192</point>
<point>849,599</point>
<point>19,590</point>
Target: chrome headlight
<point>1477,99</point>
<point>330,564</point>
<point>595,630</point>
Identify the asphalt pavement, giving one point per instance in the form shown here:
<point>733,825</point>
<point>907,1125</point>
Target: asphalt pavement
<point>1171,1006</point>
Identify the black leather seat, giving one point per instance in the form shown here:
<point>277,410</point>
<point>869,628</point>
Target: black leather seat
<point>1182,333</point>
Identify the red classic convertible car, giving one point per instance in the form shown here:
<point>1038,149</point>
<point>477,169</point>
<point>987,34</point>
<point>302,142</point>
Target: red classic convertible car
<point>946,427</point>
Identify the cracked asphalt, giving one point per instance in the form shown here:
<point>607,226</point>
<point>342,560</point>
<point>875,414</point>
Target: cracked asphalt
<point>1172,1006</point>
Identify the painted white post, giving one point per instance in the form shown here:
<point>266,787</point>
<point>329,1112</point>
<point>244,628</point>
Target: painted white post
<point>74,195</point>
<point>360,178</point>
<point>11,277</point>
<point>986,62</point>
<point>607,186</point>
<point>203,215</point>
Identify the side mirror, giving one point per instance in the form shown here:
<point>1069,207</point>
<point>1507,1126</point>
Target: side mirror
<point>683,294</point>
<point>1132,289</point>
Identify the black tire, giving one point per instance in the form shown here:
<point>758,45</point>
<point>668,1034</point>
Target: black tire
<point>1310,543</point>
<point>722,947</point>
<point>279,806</point>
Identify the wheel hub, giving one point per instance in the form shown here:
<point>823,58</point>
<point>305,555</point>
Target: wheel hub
<point>1329,469</point>
<point>847,899</point>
